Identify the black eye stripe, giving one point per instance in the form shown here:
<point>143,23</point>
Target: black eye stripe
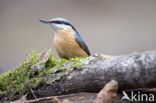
<point>60,22</point>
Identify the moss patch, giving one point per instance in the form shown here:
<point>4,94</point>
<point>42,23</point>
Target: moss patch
<point>75,65</point>
<point>18,81</point>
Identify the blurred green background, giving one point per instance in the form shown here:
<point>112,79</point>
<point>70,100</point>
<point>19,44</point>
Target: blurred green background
<point>111,27</point>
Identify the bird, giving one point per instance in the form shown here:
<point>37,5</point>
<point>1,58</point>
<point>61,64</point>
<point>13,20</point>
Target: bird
<point>67,40</point>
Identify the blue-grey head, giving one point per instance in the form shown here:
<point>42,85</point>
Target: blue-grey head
<point>59,23</point>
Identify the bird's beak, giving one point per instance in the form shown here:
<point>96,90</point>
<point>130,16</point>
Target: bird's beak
<point>44,21</point>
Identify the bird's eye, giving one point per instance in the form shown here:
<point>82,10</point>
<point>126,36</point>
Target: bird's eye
<point>58,22</point>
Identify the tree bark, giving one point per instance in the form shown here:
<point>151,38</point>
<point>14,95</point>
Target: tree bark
<point>137,70</point>
<point>106,95</point>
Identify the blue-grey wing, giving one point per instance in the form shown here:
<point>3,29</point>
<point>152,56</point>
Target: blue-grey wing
<point>82,44</point>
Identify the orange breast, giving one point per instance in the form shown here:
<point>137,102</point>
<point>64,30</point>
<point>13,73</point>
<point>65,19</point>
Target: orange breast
<point>66,45</point>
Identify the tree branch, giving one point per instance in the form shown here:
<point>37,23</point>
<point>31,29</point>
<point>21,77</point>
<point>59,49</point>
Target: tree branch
<point>130,71</point>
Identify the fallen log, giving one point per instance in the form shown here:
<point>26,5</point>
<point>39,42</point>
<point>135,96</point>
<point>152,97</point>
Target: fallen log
<point>106,95</point>
<point>137,70</point>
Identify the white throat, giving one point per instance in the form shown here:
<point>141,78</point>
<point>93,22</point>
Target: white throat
<point>60,26</point>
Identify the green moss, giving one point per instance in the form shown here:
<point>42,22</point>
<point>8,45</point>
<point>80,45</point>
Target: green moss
<point>77,64</point>
<point>1,93</point>
<point>15,81</point>
<point>19,80</point>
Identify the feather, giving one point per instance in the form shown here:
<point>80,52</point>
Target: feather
<point>82,44</point>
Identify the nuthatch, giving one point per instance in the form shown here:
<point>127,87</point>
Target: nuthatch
<point>67,40</point>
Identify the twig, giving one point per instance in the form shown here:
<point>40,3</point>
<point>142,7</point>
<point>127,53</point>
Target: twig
<point>31,90</point>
